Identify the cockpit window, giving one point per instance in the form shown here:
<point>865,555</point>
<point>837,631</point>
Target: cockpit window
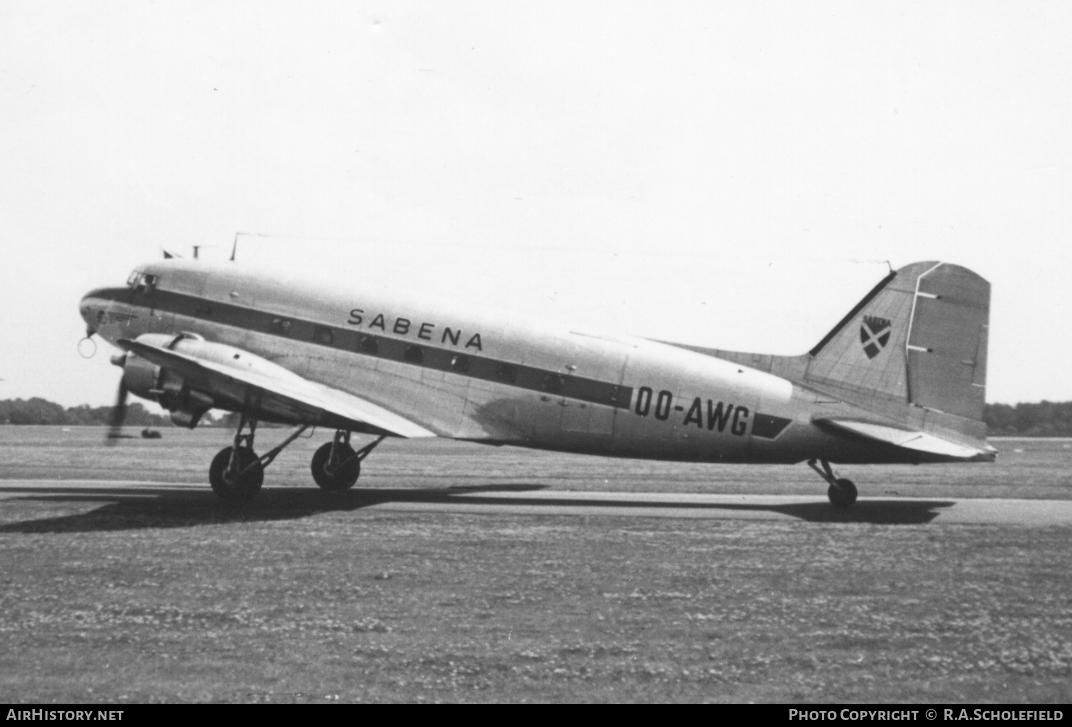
<point>142,281</point>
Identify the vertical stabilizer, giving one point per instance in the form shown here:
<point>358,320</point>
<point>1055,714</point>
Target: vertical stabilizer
<point>919,338</point>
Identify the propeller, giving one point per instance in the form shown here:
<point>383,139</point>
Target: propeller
<point>119,411</point>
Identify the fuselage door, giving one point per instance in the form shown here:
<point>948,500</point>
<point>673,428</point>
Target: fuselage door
<point>582,415</point>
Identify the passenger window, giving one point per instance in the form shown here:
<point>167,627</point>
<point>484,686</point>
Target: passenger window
<point>506,373</point>
<point>414,355</point>
<point>369,345</point>
<point>554,383</point>
<point>323,336</point>
<point>281,325</point>
<point>459,363</point>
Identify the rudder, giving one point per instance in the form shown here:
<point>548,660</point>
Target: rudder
<point>947,345</point>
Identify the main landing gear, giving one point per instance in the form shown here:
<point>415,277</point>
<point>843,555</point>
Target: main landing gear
<point>842,492</point>
<point>237,472</point>
<point>336,466</point>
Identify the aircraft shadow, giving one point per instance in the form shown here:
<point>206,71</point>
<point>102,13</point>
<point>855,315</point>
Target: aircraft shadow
<point>132,508</point>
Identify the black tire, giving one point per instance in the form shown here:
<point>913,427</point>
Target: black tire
<point>342,477</point>
<point>241,487</point>
<point>843,494</point>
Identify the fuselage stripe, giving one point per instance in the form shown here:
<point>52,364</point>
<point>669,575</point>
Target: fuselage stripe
<point>362,343</point>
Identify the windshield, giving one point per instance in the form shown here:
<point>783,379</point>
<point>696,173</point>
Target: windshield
<point>142,280</point>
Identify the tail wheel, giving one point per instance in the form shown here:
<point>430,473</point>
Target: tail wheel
<point>337,475</point>
<point>240,482</point>
<point>842,494</point>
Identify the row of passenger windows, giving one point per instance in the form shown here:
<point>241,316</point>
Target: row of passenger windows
<point>371,345</point>
<point>504,372</point>
<point>413,354</point>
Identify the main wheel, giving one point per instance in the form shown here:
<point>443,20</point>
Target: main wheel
<point>843,494</point>
<point>242,484</point>
<point>337,476</point>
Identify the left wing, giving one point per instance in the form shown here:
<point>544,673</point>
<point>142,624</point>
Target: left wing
<point>237,379</point>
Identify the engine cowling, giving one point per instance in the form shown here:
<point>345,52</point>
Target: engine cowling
<point>139,376</point>
<point>145,379</point>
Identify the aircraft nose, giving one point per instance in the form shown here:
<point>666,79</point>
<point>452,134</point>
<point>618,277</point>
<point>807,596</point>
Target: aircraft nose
<point>90,308</point>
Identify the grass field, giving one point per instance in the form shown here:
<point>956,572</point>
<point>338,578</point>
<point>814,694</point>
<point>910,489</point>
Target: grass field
<point>112,597</point>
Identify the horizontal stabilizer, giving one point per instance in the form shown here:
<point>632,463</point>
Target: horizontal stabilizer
<point>922,442</point>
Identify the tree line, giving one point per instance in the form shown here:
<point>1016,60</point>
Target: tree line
<point>42,411</point>
<point>1042,419</point>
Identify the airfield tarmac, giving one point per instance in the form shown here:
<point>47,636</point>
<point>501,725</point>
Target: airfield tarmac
<point>464,573</point>
<point>529,500</point>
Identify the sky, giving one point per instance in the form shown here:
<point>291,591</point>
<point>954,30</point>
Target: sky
<point>733,174</point>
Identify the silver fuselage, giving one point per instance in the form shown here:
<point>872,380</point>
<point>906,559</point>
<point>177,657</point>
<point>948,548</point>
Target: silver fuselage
<point>475,375</point>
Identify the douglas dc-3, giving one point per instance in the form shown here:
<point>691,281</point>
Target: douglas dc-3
<point>900,379</point>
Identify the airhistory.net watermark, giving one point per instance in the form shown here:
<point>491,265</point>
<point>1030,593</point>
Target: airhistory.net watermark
<point>64,715</point>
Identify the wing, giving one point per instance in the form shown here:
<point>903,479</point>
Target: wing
<point>237,379</point>
<point>926,444</point>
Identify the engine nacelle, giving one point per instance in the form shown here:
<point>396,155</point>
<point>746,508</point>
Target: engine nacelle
<point>185,402</point>
<point>139,376</point>
<point>145,379</point>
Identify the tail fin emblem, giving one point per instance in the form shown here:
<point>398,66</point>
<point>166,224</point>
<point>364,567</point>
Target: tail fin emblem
<point>874,335</point>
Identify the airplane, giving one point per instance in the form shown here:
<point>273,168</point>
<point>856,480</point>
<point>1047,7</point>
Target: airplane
<point>900,379</point>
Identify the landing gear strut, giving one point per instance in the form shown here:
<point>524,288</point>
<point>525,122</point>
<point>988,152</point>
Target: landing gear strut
<point>237,473</point>
<point>842,492</point>
<point>336,466</point>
